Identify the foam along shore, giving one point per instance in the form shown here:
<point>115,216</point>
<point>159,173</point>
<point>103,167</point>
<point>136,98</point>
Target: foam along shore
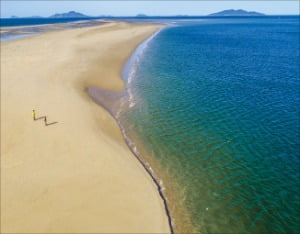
<point>77,175</point>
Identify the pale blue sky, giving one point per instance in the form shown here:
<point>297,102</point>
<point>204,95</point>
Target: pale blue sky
<point>131,8</point>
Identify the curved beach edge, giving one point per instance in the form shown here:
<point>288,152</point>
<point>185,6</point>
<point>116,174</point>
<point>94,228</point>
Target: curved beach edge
<point>77,175</point>
<point>110,101</point>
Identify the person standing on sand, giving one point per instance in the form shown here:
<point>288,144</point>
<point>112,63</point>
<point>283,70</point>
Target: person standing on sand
<point>45,121</point>
<point>33,114</point>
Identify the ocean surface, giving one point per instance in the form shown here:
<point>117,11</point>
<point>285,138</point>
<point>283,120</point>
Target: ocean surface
<point>11,22</point>
<point>213,107</point>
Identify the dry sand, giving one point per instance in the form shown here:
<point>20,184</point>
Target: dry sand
<point>35,29</point>
<point>76,176</point>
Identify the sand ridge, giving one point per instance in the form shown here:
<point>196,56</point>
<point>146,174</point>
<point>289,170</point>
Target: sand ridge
<point>77,175</point>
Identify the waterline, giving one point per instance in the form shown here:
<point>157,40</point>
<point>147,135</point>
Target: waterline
<point>116,102</point>
<point>214,106</point>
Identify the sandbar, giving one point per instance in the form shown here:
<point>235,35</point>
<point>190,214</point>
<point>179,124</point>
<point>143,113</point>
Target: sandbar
<point>77,175</point>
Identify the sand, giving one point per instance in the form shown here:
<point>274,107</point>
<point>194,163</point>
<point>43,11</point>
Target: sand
<point>78,175</point>
<point>35,29</point>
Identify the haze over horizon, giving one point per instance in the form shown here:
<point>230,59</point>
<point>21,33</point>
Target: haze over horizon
<point>151,8</point>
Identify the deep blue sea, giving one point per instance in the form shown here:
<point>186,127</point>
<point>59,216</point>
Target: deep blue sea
<point>214,108</point>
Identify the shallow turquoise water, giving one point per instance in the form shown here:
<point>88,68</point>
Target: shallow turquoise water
<point>216,103</point>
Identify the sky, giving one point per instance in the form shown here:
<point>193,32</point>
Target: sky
<point>130,8</point>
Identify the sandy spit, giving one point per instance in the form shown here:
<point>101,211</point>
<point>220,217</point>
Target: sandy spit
<point>78,175</point>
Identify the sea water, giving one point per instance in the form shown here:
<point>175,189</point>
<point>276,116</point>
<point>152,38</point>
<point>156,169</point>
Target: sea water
<point>214,108</point>
<point>12,22</point>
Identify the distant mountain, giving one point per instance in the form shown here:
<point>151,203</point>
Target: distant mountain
<point>141,16</point>
<point>70,14</point>
<point>239,12</point>
<point>35,16</point>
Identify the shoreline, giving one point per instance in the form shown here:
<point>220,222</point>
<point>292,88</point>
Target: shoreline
<point>109,100</point>
<point>54,162</point>
<point>112,102</point>
<point>95,95</point>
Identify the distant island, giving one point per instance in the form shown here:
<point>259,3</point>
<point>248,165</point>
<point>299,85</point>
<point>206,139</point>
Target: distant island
<point>239,12</point>
<point>141,16</point>
<point>70,14</point>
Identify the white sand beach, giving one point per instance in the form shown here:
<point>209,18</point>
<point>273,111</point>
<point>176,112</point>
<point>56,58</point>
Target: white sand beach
<point>78,175</point>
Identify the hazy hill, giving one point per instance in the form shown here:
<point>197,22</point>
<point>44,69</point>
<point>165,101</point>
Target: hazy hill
<point>141,15</point>
<point>70,14</point>
<point>239,12</point>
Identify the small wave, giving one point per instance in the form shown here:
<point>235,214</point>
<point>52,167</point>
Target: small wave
<point>149,170</point>
<point>128,74</point>
<point>131,65</point>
